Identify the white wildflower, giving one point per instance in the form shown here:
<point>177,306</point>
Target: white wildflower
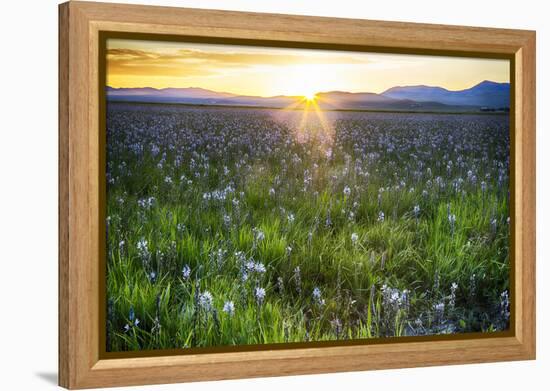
<point>229,308</point>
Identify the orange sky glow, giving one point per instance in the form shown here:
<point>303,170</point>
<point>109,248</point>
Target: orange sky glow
<point>263,71</point>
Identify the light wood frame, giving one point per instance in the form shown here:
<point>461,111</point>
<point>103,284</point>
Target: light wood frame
<point>80,364</point>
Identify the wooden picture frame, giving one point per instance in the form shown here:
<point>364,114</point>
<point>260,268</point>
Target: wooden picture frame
<point>81,364</point>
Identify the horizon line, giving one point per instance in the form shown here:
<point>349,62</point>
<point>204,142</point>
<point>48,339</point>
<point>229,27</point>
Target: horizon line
<point>316,93</point>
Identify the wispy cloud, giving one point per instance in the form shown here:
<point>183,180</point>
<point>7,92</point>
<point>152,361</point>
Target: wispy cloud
<point>197,62</point>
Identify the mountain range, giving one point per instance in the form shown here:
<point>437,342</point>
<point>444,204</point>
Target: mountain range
<point>487,95</point>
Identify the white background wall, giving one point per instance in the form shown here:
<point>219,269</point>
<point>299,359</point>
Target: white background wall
<point>28,194</point>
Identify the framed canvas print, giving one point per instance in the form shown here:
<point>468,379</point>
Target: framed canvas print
<point>248,195</point>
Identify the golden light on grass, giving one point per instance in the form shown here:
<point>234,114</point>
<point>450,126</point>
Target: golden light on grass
<point>307,131</point>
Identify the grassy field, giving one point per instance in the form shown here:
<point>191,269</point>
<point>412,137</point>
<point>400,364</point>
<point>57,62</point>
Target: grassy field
<point>252,226</point>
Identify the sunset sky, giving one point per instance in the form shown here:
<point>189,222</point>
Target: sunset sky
<point>264,71</point>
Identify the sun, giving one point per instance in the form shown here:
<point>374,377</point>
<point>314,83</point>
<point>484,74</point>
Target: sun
<point>309,95</point>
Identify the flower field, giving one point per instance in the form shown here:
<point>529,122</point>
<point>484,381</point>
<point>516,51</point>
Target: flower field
<point>238,226</point>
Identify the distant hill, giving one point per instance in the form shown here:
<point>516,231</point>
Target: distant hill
<point>167,93</point>
<point>485,94</point>
<point>413,98</point>
<point>371,101</point>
